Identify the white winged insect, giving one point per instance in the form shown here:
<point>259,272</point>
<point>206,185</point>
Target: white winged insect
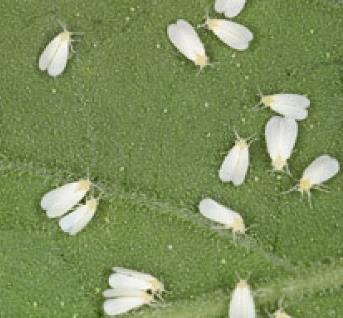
<point>289,105</point>
<point>242,302</point>
<point>234,35</point>
<point>235,165</point>
<point>55,55</point>
<point>123,278</point>
<point>62,199</point>
<point>78,219</point>
<point>187,41</point>
<point>320,170</point>
<point>281,134</point>
<point>123,301</point>
<point>230,8</point>
<point>218,213</point>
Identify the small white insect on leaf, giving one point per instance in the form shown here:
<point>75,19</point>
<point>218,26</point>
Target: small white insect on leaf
<point>77,220</point>
<point>187,41</point>
<point>242,302</point>
<point>55,56</point>
<point>222,215</point>
<point>289,105</point>
<point>230,8</point>
<point>123,278</point>
<point>281,134</point>
<point>62,199</point>
<point>281,314</point>
<point>235,165</point>
<point>130,290</point>
<point>320,170</point>
<point>234,35</point>
<point>126,303</point>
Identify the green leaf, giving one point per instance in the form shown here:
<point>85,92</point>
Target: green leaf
<point>152,132</point>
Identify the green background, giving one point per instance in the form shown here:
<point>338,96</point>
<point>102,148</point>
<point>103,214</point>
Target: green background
<point>153,132</point>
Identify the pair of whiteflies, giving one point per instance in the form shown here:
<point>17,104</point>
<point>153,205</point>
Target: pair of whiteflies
<point>281,132</point>
<point>187,41</point>
<point>58,202</point>
<point>130,290</point>
<point>281,135</point>
<point>242,304</point>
